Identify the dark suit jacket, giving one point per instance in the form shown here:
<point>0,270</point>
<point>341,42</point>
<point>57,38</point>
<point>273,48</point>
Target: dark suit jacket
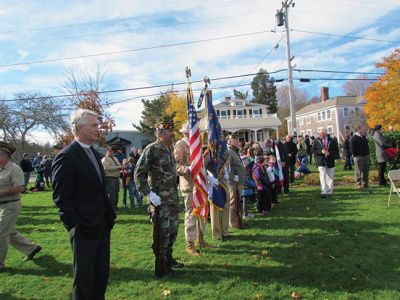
<point>282,151</point>
<point>291,148</point>
<point>320,158</point>
<point>78,192</point>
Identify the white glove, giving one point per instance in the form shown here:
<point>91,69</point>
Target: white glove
<point>154,199</point>
<point>212,180</point>
<point>236,178</point>
<point>226,176</point>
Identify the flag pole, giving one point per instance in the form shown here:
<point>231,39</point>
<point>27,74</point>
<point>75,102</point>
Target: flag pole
<point>198,225</point>
<point>200,234</point>
<point>219,211</point>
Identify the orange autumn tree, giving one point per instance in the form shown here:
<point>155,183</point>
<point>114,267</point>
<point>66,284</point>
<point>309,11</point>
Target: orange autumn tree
<point>91,101</point>
<point>178,108</point>
<point>383,96</point>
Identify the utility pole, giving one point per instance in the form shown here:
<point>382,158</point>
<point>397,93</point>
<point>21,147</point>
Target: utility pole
<point>282,16</point>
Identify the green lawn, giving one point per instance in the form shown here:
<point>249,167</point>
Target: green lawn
<point>344,247</point>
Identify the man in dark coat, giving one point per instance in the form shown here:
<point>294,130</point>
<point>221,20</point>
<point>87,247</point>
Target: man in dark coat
<point>84,207</point>
<point>291,150</point>
<point>360,151</point>
<point>27,168</point>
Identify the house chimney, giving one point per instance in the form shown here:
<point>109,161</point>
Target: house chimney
<point>324,93</point>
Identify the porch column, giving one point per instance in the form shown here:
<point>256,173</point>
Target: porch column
<point>267,134</point>
<point>255,136</point>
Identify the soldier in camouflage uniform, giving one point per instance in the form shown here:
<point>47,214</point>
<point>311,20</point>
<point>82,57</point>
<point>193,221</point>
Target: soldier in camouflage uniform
<point>155,176</point>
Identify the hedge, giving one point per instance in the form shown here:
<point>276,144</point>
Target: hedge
<point>392,137</point>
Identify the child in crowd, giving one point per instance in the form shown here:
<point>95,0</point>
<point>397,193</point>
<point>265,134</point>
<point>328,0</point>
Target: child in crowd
<point>128,184</point>
<point>248,191</point>
<point>264,185</point>
<point>302,166</point>
<point>273,174</point>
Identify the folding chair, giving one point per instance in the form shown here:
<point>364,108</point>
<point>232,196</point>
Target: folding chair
<point>394,177</point>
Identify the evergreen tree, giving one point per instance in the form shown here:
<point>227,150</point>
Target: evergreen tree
<point>264,90</point>
<point>153,112</point>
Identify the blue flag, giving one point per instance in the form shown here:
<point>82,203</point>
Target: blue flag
<point>218,151</point>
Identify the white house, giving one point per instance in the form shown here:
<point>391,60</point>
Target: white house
<point>250,121</point>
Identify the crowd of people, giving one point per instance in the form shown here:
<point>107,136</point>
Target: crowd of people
<point>86,190</point>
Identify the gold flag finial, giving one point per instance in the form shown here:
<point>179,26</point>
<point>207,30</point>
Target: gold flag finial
<point>188,72</point>
<point>206,81</point>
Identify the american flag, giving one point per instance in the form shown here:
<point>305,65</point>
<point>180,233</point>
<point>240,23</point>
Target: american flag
<point>200,195</point>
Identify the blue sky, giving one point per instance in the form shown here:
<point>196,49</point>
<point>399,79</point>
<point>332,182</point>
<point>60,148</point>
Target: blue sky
<point>43,30</point>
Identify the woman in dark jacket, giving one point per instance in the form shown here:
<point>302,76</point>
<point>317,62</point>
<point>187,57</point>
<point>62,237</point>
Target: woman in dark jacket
<point>381,155</point>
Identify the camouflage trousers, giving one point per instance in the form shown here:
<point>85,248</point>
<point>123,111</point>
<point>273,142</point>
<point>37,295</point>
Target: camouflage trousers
<point>169,222</point>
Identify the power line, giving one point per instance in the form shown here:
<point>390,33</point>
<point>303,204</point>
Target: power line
<point>213,88</point>
<point>244,84</point>
<point>180,44</point>
<point>202,20</point>
<point>338,72</point>
<point>179,11</point>
<point>346,36</point>
<point>134,50</point>
<point>147,87</point>
<point>196,81</point>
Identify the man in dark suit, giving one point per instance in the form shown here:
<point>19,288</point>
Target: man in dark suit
<point>291,150</point>
<point>84,206</point>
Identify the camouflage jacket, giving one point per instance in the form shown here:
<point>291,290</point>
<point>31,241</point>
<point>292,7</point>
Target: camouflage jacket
<point>156,171</point>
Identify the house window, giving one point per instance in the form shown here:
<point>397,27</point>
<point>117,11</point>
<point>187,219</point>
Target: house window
<point>329,129</point>
<point>302,133</point>
<point>308,120</point>
<point>356,110</point>
<point>260,135</point>
<point>242,136</point>
<point>319,116</point>
<point>323,115</point>
<point>345,112</point>
<point>328,115</point>
<point>239,114</point>
<point>301,122</point>
<point>223,114</point>
<point>309,132</point>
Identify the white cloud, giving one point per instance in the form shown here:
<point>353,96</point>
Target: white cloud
<point>22,54</point>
